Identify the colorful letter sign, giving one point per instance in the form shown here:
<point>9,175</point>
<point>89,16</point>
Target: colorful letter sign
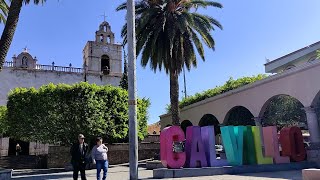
<point>168,136</point>
<point>232,137</point>
<point>271,145</point>
<point>194,148</point>
<point>208,139</point>
<point>257,143</point>
<point>292,143</point>
<point>249,152</point>
<point>242,145</point>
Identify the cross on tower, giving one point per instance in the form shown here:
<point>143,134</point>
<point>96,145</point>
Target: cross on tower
<point>25,49</point>
<point>104,16</point>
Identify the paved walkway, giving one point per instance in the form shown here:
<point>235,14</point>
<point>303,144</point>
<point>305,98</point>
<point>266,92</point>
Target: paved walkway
<point>122,173</point>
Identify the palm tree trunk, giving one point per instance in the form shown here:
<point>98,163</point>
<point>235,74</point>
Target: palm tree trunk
<point>174,98</point>
<point>9,29</point>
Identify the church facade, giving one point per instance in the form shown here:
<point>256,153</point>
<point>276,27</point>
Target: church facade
<point>102,65</point>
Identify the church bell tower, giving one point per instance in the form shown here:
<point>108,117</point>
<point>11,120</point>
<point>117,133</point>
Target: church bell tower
<point>103,56</point>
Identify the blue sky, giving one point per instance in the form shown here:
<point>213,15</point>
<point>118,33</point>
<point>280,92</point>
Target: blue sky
<point>253,31</point>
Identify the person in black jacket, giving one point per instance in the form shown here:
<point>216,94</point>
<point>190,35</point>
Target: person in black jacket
<point>78,153</point>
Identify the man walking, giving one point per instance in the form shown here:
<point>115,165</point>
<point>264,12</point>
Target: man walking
<point>78,153</point>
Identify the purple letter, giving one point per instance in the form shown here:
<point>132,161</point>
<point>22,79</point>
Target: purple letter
<point>208,139</point>
<point>194,148</point>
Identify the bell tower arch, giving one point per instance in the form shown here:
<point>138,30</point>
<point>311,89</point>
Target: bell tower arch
<point>103,56</point>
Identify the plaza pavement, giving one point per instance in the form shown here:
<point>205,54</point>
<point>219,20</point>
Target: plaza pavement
<point>122,173</point>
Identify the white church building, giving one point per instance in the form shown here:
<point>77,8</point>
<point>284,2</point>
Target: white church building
<point>102,65</point>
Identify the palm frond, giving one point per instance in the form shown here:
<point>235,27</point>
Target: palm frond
<point>204,3</point>
<point>122,6</point>
<point>4,8</point>
<point>167,34</point>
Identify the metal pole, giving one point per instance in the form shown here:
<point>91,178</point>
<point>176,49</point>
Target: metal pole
<point>185,85</point>
<point>133,137</point>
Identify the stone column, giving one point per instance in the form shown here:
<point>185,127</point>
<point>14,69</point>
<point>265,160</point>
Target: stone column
<point>258,122</point>
<point>313,151</point>
<point>313,125</point>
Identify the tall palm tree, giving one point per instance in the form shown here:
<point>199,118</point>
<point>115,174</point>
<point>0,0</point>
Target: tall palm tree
<point>3,11</point>
<point>167,34</point>
<point>11,25</point>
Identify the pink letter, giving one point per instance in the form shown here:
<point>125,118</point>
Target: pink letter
<point>208,139</point>
<point>271,144</point>
<point>194,148</point>
<point>168,136</point>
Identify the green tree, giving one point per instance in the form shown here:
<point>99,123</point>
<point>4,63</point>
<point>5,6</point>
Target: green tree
<point>11,25</point>
<point>3,11</point>
<point>57,113</point>
<point>168,33</point>
<point>283,111</point>
<point>124,78</point>
<point>229,85</point>
<point>3,120</point>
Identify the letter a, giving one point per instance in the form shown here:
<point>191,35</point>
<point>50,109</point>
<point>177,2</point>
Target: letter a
<point>194,148</point>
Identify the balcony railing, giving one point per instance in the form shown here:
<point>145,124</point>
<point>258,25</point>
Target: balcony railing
<point>8,64</point>
<point>48,68</point>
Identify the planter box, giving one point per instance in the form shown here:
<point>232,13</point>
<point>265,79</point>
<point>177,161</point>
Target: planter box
<point>5,174</point>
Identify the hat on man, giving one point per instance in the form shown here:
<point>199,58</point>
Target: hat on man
<point>81,136</point>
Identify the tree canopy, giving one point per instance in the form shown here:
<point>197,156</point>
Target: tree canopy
<point>3,11</point>
<point>57,113</point>
<point>229,85</point>
<point>169,34</point>
<point>3,120</point>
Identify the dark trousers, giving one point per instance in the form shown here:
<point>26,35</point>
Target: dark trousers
<point>79,167</point>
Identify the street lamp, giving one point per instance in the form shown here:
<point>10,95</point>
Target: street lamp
<point>132,83</point>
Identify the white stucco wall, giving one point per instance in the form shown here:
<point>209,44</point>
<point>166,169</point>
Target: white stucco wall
<point>302,83</point>
<point>10,79</point>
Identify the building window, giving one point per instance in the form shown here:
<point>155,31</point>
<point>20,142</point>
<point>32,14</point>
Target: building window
<point>312,59</point>
<point>24,61</point>
<point>105,64</point>
<point>101,38</point>
<point>289,67</point>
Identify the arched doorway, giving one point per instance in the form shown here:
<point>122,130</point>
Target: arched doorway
<point>283,111</point>
<point>316,105</point>
<point>12,147</point>
<point>105,64</point>
<point>210,120</point>
<point>185,124</point>
<point>239,116</point>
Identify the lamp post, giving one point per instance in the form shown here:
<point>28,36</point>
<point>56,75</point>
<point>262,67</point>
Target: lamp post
<point>184,80</point>
<point>133,137</point>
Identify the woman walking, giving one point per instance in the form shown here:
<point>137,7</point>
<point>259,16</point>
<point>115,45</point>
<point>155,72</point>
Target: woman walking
<point>100,158</point>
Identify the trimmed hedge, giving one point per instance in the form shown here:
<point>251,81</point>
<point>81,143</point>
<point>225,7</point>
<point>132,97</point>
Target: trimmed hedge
<point>231,84</point>
<point>57,113</point>
<point>3,120</point>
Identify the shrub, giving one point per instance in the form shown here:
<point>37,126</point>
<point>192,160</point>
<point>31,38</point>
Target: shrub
<point>231,84</point>
<point>57,113</point>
